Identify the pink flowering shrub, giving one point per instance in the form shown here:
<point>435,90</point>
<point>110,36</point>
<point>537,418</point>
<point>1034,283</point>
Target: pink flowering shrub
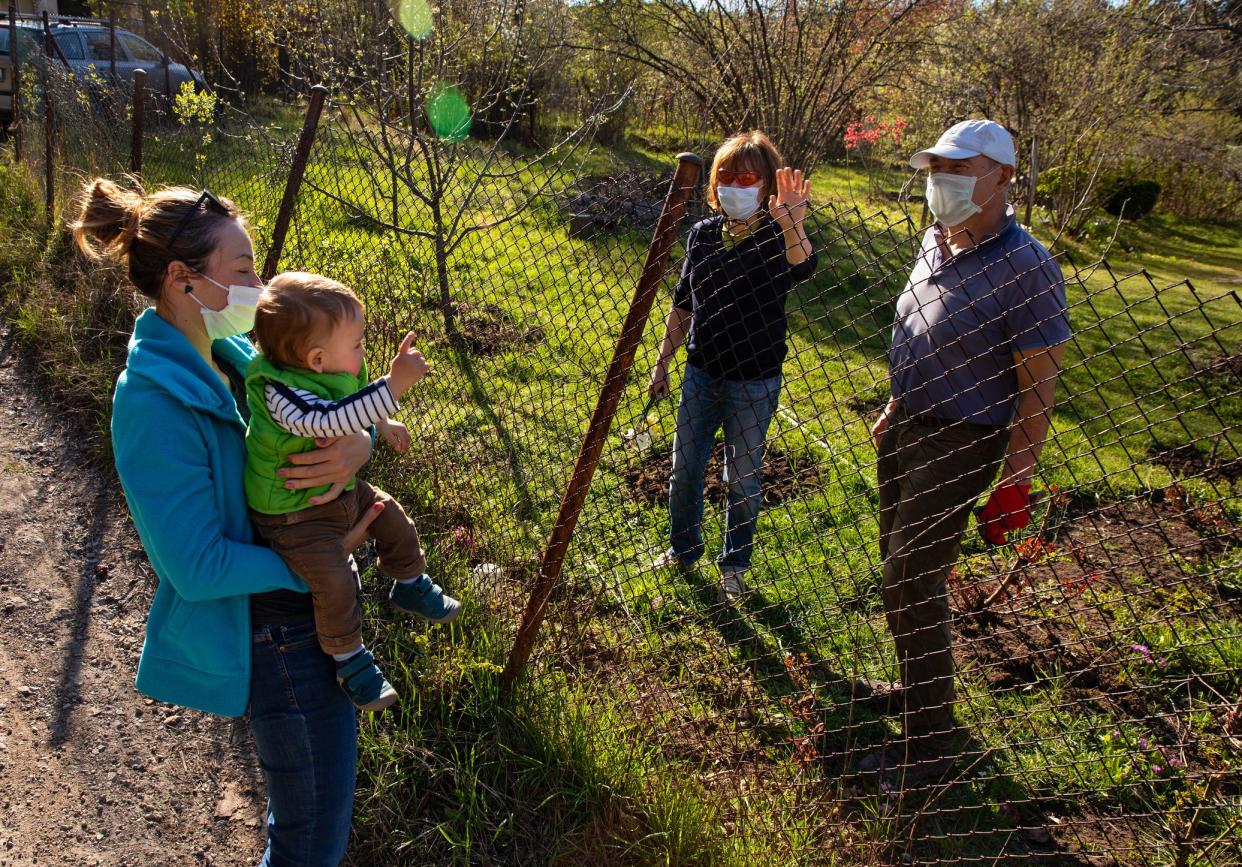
<point>870,132</point>
<point>878,142</point>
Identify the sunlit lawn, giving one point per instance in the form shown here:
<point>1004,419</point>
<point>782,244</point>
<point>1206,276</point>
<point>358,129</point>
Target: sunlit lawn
<point>468,776</point>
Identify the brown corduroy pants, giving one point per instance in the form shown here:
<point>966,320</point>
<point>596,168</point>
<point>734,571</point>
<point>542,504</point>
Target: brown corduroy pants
<point>310,541</point>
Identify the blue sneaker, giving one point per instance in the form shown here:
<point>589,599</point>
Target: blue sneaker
<point>364,683</point>
<point>426,599</point>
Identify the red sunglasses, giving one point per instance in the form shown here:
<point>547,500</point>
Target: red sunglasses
<point>744,179</point>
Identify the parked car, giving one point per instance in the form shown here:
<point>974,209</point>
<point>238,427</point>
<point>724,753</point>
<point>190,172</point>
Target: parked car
<point>87,47</point>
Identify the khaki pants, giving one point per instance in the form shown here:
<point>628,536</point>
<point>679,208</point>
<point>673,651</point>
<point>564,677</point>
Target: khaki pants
<point>930,476</point>
<point>310,541</point>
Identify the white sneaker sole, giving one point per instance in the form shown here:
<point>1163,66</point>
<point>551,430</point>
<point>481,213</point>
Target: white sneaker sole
<point>448,618</point>
<point>731,589</point>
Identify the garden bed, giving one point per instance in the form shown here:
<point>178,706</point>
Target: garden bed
<point>785,477</point>
<point>1120,613</point>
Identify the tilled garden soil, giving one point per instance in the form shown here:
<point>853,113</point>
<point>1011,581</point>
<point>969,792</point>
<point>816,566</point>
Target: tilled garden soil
<point>1086,610</point>
<point>784,477</point>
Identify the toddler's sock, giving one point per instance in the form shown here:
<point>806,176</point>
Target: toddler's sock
<point>409,580</point>
<point>342,657</point>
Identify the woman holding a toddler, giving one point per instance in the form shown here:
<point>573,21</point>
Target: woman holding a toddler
<point>231,628</point>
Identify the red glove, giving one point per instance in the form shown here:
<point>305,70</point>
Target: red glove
<point>1006,510</point>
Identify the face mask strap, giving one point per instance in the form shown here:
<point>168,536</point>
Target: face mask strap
<point>978,178</point>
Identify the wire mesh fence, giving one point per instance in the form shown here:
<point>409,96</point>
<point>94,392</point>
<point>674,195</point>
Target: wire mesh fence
<point>1094,657</point>
<point>1083,651</point>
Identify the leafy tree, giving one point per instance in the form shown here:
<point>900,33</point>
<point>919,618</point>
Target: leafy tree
<point>1073,74</point>
<point>430,101</point>
<point>795,68</point>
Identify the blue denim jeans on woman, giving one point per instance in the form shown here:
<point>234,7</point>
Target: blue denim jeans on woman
<point>745,409</point>
<point>306,732</point>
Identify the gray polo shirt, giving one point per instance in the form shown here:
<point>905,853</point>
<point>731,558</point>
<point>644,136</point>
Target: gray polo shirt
<point>960,319</point>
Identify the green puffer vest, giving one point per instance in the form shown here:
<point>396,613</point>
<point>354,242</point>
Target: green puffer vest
<point>268,445</point>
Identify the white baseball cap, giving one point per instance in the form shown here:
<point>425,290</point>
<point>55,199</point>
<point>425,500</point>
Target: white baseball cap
<point>970,138</point>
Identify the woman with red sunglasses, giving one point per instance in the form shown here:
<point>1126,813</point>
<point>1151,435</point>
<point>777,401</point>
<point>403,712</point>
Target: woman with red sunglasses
<point>739,268</point>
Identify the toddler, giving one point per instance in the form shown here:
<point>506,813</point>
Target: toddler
<point>310,381</point>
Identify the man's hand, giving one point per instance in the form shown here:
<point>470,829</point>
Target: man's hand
<point>408,367</point>
<point>1006,510</point>
<point>658,387</point>
<point>396,435</point>
<point>337,460</point>
<point>881,423</point>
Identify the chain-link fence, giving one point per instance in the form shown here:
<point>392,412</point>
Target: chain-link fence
<point>1093,659</point>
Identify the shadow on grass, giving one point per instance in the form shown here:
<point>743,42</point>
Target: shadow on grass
<point>526,510</point>
<point>972,810</point>
<point>785,670</point>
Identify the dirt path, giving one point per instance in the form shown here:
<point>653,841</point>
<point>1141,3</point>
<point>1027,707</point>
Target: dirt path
<point>93,773</point>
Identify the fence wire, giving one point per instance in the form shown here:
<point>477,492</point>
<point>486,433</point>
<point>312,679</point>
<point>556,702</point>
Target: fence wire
<point>1095,656</point>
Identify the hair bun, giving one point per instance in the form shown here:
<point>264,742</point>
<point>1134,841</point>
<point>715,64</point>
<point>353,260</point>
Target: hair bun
<point>108,219</point>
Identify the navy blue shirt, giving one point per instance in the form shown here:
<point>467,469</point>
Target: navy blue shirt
<point>960,319</point>
<point>736,296</point>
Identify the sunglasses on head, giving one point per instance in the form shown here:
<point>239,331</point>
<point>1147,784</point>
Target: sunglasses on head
<point>207,201</point>
<point>744,179</point>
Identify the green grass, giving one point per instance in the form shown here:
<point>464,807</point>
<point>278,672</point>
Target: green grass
<point>653,728</point>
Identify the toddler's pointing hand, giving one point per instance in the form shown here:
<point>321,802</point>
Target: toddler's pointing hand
<point>407,368</point>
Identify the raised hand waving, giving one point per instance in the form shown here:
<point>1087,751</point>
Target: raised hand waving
<point>788,206</point>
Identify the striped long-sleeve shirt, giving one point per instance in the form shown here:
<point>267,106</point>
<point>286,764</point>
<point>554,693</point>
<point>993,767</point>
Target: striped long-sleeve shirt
<point>305,413</point>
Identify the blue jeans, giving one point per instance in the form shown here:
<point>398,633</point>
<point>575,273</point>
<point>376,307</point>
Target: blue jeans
<point>745,409</point>
<point>306,732</point>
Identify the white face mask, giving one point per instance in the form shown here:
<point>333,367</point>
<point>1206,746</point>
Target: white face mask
<point>951,197</point>
<point>237,315</point>
<point>738,203</point>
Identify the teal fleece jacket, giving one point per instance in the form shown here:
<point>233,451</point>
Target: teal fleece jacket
<point>180,452</point>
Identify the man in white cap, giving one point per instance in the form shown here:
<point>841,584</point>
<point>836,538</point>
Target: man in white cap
<point>977,345</point>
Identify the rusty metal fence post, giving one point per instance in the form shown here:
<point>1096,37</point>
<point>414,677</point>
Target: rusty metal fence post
<point>684,179</point>
<point>112,45</point>
<point>294,182</point>
<point>15,87</point>
<point>137,120</point>
<point>51,45</point>
<point>49,127</point>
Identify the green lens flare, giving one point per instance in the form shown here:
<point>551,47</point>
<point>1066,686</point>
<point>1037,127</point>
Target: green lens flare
<point>414,16</point>
<point>448,114</point>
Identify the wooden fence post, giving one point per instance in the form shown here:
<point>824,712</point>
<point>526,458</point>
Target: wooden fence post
<point>112,45</point>
<point>168,81</point>
<point>687,174</point>
<point>294,182</point>
<point>52,46</point>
